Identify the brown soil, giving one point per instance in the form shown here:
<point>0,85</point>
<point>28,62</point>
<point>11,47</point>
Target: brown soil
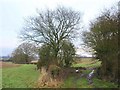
<point>8,65</point>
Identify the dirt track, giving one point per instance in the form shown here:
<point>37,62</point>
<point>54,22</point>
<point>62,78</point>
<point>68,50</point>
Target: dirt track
<point>8,64</point>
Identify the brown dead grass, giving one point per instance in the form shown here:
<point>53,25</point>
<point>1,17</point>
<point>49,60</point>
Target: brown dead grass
<point>46,81</point>
<point>8,65</point>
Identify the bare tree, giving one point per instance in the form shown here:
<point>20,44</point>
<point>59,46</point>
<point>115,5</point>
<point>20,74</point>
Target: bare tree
<point>24,53</point>
<point>52,27</point>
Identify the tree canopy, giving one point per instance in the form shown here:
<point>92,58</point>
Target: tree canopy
<point>103,38</point>
<point>24,53</point>
<point>52,28</point>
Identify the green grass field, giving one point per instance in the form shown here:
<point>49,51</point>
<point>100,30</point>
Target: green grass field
<point>23,76</point>
<point>88,64</point>
<point>73,82</point>
<point>78,82</point>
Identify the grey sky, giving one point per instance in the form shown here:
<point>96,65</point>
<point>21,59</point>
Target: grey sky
<point>13,12</point>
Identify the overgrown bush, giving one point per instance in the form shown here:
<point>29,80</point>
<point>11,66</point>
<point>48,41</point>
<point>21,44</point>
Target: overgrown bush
<point>103,39</point>
<point>54,70</point>
<point>64,57</point>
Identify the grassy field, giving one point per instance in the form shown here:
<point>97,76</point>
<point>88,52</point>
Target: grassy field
<point>81,82</point>
<point>87,62</point>
<point>23,76</point>
<point>75,82</point>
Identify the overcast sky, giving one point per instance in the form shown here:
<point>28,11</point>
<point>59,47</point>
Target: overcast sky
<point>13,12</point>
